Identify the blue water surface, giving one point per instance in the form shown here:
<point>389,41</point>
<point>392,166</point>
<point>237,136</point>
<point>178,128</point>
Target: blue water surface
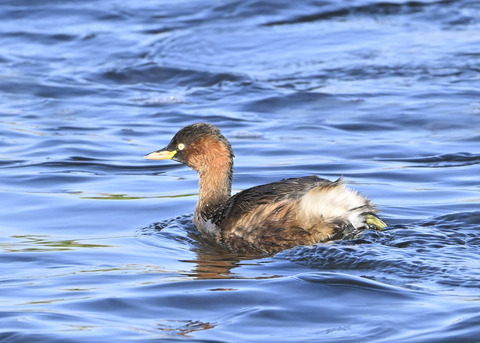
<point>97,243</point>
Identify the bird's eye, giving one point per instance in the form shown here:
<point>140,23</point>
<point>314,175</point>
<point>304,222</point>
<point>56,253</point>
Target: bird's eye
<point>181,146</point>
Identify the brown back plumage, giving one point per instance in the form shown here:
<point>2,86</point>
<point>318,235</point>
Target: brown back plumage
<point>267,218</point>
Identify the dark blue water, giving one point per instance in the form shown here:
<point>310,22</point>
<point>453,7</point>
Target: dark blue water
<point>97,243</point>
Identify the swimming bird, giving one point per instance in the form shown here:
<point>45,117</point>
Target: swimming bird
<point>267,218</point>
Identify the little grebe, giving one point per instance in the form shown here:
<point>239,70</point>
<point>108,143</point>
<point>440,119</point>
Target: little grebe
<point>267,218</point>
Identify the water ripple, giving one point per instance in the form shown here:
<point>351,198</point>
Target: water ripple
<point>442,161</point>
<point>152,73</point>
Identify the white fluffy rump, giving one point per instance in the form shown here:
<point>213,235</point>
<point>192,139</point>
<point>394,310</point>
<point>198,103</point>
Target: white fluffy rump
<point>337,203</point>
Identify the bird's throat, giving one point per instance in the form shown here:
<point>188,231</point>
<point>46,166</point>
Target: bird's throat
<point>215,188</point>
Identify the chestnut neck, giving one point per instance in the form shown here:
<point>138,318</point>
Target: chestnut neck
<point>215,188</point>
<point>214,163</point>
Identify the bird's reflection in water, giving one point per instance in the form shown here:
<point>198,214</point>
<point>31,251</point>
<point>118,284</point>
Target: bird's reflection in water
<point>211,261</point>
<point>214,262</point>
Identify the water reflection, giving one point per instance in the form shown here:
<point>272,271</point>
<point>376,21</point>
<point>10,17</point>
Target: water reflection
<point>39,243</point>
<point>184,327</point>
<point>210,260</point>
<point>211,263</point>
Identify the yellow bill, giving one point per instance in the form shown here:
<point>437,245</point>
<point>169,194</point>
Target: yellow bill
<point>161,155</point>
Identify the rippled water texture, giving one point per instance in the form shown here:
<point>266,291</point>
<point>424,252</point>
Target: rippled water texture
<point>97,243</point>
